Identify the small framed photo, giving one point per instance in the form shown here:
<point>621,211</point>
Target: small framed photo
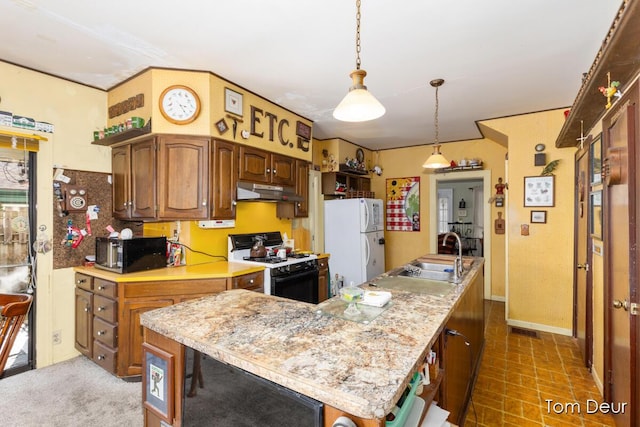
<point>539,191</point>
<point>538,217</point>
<point>222,127</point>
<point>303,130</point>
<point>157,382</point>
<point>232,102</point>
<point>595,214</point>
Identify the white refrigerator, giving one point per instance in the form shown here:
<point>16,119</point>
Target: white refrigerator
<point>354,239</point>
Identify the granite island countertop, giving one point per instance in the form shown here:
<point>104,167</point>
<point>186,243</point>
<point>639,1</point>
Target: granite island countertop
<point>359,368</point>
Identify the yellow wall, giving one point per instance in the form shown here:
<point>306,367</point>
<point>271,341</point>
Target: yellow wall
<point>401,246</point>
<point>340,150</point>
<point>75,111</point>
<point>211,91</point>
<point>540,265</point>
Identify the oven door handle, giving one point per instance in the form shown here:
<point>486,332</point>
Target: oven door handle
<point>296,275</point>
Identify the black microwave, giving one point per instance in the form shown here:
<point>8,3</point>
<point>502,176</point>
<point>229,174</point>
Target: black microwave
<point>130,255</point>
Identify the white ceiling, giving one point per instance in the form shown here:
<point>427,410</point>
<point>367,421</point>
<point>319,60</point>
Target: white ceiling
<point>498,57</point>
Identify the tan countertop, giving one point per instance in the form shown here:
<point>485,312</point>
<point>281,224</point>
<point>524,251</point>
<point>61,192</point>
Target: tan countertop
<point>212,270</point>
<point>361,369</point>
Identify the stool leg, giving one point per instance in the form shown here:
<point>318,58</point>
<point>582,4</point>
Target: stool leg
<point>196,374</point>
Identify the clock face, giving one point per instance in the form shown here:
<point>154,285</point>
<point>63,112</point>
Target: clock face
<point>179,104</point>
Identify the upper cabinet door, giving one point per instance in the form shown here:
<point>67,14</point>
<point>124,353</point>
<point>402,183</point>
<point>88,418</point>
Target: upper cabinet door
<point>183,177</point>
<point>224,173</point>
<point>283,170</point>
<point>121,181</point>
<point>143,179</point>
<point>255,165</point>
<point>302,188</point>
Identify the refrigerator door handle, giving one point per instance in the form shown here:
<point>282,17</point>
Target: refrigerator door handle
<point>367,247</point>
<point>367,217</point>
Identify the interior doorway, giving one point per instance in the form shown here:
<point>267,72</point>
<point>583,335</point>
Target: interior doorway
<point>480,180</point>
<point>17,230</point>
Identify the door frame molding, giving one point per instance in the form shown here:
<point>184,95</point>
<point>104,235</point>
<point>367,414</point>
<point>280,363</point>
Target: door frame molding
<point>485,176</point>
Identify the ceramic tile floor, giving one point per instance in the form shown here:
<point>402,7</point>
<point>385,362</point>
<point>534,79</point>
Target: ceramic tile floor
<point>518,373</point>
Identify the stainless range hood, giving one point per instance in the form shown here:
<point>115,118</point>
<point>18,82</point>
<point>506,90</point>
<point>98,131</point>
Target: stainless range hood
<point>264,192</point>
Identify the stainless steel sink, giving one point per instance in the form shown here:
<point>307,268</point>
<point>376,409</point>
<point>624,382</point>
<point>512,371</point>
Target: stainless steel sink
<point>428,274</point>
<point>416,285</point>
<point>433,266</point>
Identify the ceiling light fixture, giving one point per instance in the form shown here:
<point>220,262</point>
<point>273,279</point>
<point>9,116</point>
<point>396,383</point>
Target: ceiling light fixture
<point>359,105</point>
<point>436,160</point>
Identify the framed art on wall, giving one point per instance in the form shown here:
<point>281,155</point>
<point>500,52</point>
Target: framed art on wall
<point>538,217</point>
<point>232,102</point>
<point>157,381</point>
<point>539,191</point>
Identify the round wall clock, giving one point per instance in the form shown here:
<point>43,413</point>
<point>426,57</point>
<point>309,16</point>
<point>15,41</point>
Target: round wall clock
<point>179,104</point>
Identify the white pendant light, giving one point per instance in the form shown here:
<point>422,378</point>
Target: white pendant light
<point>359,105</point>
<point>436,160</point>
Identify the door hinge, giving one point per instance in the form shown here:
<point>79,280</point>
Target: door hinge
<point>633,308</point>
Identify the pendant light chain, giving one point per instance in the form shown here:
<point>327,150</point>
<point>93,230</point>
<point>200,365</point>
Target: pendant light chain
<point>357,34</point>
<point>436,117</point>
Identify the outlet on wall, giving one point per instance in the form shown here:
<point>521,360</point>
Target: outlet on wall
<point>57,337</point>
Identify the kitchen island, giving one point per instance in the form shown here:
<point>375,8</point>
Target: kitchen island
<point>357,369</point>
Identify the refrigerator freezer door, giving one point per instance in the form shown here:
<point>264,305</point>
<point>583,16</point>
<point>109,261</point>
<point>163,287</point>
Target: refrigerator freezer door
<point>371,215</point>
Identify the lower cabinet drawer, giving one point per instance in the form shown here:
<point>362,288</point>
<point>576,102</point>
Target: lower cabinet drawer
<point>105,308</point>
<point>105,356</point>
<point>105,332</point>
<point>253,281</point>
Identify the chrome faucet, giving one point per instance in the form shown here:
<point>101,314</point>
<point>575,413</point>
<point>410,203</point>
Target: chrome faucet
<point>457,263</point>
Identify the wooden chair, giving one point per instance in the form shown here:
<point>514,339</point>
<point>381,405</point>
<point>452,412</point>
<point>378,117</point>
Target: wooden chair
<point>14,308</point>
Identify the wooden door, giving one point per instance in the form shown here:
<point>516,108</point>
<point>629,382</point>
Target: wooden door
<point>224,176</point>
<point>283,170</point>
<point>582,296</point>
<point>255,165</point>
<point>130,337</point>
<point>121,181</point>
<point>183,177</point>
<point>621,257</point>
<point>301,209</point>
<point>142,200</point>
<point>84,322</point>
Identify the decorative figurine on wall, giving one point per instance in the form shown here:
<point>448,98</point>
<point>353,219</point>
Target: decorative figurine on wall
<point>499,196</point>
<point>611,90</point>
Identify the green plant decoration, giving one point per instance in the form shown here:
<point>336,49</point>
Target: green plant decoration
<point>551,166</point>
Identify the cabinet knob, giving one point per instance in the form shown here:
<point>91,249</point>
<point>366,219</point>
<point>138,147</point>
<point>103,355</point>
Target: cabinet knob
<point>101,332</point>
<point>130,203</point>
<point>87,309</point>
<point>101,288</point>
<point>101,357</point>
<point>204,202</point>
<point>274,171</point>
<point>124,204</point>
<point>268,170</point>
<point>251,281</point>
<point>233,203</point>
<point>81,281</point>
<point>299,204</point>
<point>101,308</point>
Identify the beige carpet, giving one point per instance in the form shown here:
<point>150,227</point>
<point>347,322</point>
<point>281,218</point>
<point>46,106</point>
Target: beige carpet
<point>72,393</point>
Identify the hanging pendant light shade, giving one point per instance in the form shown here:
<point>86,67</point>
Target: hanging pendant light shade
<point>359,105</point>
<point>436,160</point>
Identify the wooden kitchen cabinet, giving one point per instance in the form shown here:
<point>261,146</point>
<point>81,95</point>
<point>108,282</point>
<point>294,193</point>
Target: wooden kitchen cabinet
<point>183,177</point>
<point>224,174</point>
<point>107,314</point>
<point>301,209</point>
<point>250,282</point>
<point>133,180</point>
<point>265,167</point>
<point>338,183</point>
<point>323,278</point>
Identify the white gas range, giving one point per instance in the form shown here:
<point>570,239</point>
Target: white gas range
<point>295,277</point>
